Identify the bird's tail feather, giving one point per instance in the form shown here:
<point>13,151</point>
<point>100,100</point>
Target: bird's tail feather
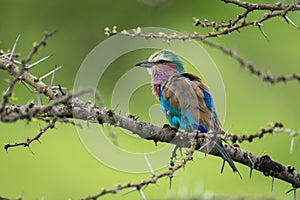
<point>226,157</point>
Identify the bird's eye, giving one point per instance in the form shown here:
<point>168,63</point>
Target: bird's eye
<point>162,61</point>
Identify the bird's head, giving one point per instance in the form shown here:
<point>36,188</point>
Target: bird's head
<point>162,64</point>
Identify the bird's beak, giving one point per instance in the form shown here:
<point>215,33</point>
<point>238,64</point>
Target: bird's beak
<point>145,63</point>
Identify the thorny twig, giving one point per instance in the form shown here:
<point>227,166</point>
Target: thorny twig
<point>241,22</point>
<point>266,77</point>
<point>153,179</point>
<point>272,128</point>
<point>256,6</point>
<point>27,143</point>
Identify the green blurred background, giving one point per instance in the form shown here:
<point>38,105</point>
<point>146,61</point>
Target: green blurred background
<point>61,167</point>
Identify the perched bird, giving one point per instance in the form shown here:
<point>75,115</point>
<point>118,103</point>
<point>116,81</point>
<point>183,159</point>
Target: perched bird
<point>184,99</point>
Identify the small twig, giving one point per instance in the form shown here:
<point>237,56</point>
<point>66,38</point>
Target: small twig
<point>273,128</point>
<point>216,26</point>
<point>256,6</point>
<point>37,46</point>
<point>265,77</point>
<point>35,138</point>
<point>240,22</point>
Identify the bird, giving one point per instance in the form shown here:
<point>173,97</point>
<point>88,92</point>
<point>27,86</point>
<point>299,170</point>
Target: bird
<point>185,99</point>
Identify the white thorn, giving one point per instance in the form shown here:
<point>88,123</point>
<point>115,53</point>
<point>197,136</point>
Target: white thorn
<point>292,144</point>
<point>30,150</point>
<point>262,30</point>
<point>49,73</point>
<point>290,21</point>
<point>149,165</point>
<point>29,102</point>
<point>272,186</point>
<point>38,62</point>
<point>228,130</point>
<point>204,146</point>
<point>251,161</point>
<point>14,47</point>
<point>132,190</point>
<point>142,194</point>
<point>38,98</point>
<point>18,62</point>
<point>6,91</point>
<point>5,54</point>
<point>27,86</point>
<point>52,78</point>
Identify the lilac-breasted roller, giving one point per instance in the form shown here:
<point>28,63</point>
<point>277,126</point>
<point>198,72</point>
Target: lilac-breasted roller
<point>184,98</point>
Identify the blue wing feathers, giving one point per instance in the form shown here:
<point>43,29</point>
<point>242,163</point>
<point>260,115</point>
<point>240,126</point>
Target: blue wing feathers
<point>187,103</point>
<point>208,100</point>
